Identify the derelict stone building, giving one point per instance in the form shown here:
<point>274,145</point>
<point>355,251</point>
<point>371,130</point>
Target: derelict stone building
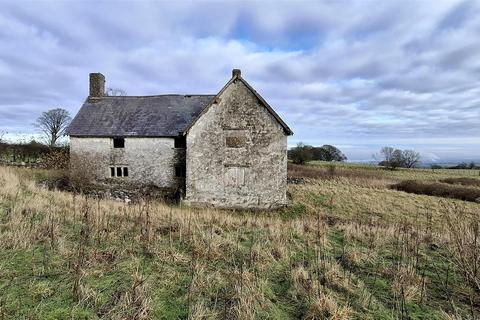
<point>223,150</point>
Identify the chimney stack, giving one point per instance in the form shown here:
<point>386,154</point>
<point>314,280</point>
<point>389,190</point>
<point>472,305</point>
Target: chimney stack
<point>236,73</point>
<point>97,85</point>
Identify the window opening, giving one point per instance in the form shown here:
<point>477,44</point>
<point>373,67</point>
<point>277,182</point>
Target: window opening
<point>118,171</point>
<point>118,142</point>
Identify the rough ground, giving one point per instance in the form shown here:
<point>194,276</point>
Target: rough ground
<point>347,247</point>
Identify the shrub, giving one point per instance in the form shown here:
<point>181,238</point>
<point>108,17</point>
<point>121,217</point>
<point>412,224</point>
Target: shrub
<point>439,189</point>
<point>83,170</point>
<point>56,158</point>
<point>462,181</point>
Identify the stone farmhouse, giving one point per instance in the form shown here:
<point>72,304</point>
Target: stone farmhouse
<point>223,150</point>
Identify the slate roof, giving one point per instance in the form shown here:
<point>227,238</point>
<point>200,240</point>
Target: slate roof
<point>140,116</point>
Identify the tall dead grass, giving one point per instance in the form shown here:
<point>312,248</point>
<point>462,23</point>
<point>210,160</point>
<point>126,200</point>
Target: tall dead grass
<point>227,262</point>
<point>463,231</point>
<point>230,265</point>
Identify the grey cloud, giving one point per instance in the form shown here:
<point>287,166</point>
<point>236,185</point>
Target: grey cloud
<point>458,16</point>
<point>399,72</point>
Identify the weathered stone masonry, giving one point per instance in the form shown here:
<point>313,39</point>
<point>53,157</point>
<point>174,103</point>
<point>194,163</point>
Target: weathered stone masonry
<point>149,160</point>
<point>232,145</point>
<point>237,154</point>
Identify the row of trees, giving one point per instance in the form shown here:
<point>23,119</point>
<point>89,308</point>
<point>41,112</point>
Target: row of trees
<point>462,165</point>
<point>303,153</point>
<point>22,152</point>
<point>389,157</point>
<point>34,153</point>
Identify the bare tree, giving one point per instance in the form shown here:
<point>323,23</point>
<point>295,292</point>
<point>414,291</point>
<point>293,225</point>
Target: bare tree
<point>53,124</point>
<point>411,158</point>
<point>115,92</point>
<point>392,157</point>
<point>395,158</point>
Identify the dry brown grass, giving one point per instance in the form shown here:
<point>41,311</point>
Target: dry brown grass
<point>220,264</point>
<point>108,232</point>
<point>325,307</point>
<point>330,172</point>
<point>464,239</point>
<point>353,200</point>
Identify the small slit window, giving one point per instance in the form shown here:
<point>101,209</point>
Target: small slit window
<point>180,142</point>
<point>125,171</point>
<point>119,172</point>
<point>118,143</point>
<point>112,172</point>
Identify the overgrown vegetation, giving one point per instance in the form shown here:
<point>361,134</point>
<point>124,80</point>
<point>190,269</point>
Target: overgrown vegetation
<point>463,181</point>
<point>347,247</point>
<point>34,154</point>
<point>440,190</point>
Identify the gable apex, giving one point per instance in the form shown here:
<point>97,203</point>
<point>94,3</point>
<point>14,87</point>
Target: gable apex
<point>236,75</point>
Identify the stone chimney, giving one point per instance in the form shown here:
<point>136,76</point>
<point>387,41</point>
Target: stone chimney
<point>236,73</point>
<point>97,85</point>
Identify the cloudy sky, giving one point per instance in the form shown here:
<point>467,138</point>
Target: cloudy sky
<point>356,74</point>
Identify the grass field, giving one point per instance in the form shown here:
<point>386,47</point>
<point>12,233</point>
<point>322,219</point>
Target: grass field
<point>347,247</point>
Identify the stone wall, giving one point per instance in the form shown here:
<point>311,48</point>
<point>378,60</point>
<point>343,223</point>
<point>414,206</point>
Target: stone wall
<point>237,154</point>
<point>149,160</point>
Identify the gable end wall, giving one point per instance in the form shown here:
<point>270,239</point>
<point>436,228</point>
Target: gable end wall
<point>252,172</point>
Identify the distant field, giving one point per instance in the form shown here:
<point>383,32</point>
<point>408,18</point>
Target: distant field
<point>402,173</point>
<point>347,247</point>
